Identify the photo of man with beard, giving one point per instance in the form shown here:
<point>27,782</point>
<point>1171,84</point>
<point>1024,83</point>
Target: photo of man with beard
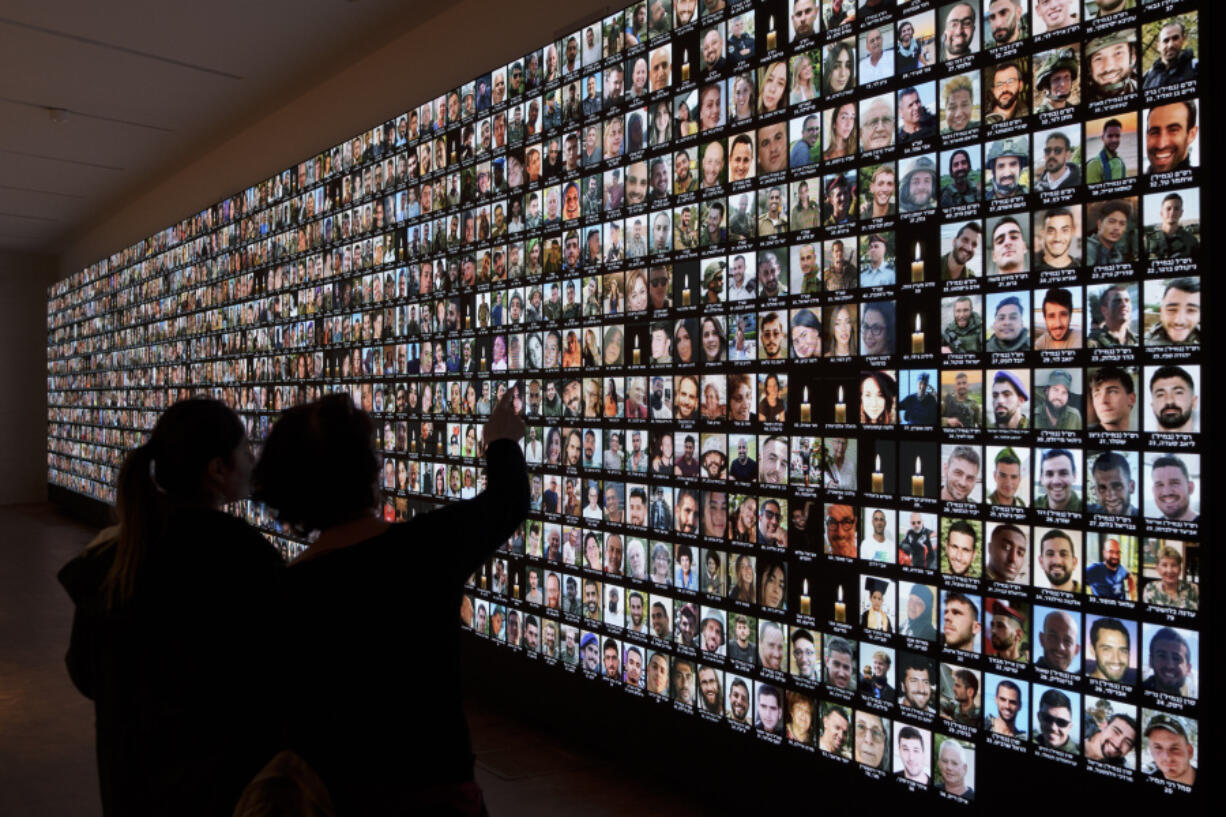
<point>1112,483</point>
<point>1059,399</point>
<point>710,690</point>
<point>962,187</point>
<point>1110,655</point>
<point>1008,92</point>
<point>1111,733</point>
<point>1111,62</point>
<point>1007,160</point>
<point>1173,401</point>
<point>1059,169</point>
<point>958,30</point>
<point>960,262</point>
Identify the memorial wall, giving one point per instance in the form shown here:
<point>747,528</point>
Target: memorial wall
<point>859,348</point>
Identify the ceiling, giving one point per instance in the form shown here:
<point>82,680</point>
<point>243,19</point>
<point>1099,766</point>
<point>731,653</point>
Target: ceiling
<point>145,84</point>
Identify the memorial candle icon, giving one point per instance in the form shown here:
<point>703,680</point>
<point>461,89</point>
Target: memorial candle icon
<point>917,480</point>
<point>917,267</point>
<point>840,408</point>
<point>685,297</point>
<point>637,356</point>
<point>878,478</point>
<point>770,34</point>
<point>806,604</point>
<point>840,609</point>
<point>806,410</point>
<point>917,337</point>
<point>685,65</point>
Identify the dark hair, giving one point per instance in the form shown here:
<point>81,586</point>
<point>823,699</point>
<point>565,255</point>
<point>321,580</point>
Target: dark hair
<point>1112,461</point>
<point>1168,371</point>
<point>1010,685</point>
<point>973,226</point>
<point>1003,222</point>
<point>1183,285</point>
<point>965,528</point>
<point>1012,300</point>
<point>1056,533</point>
<point>1112,374</point>
<point>1115,206</point>
<point>1171,634</point>
<point>167,470</point>
<point>1058,295</point>
<point>914,663</point>
<point>889,392</point>
<point>967,677</point>
<point>1008,528</point>
<point>1067,144</point>
<point>1170,461</point>
<point>1112,624</point>
<point>842,645</point>
<point>1054,699</point>
<point>1053,453</point>
<point>318,467</point>
<point>1112,123</point>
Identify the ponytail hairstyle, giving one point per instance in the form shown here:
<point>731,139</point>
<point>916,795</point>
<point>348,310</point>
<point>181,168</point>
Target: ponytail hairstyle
<point>166,471</point>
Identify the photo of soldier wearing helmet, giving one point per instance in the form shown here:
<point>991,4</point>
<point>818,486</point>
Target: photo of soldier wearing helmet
<point>918,190</point>
<point>1111,62</point>
<point>1056,80</point>
<point>1007,158</point>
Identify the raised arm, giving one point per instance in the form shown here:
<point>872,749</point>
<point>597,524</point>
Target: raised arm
<point>475,528</point>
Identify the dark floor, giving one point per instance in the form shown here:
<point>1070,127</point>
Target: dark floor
<point>46,727</point>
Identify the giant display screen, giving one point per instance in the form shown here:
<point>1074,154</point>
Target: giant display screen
<point>859,346</point>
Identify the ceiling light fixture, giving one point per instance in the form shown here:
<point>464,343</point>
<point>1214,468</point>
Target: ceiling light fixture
<point>58,115</point>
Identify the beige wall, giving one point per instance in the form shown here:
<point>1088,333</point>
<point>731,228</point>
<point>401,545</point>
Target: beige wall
<point>24,278</point>
<point>444,51</point>
<point>441,52</point>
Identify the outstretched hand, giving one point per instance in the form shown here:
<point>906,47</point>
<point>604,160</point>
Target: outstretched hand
<point>504,423</point>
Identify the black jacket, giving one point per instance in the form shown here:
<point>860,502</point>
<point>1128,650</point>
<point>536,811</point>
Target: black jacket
<point>1162,75</point>
<point>178,675</point>
<point>373,666</point>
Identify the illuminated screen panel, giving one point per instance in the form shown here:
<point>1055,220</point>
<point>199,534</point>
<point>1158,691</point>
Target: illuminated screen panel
<point>859,349</point>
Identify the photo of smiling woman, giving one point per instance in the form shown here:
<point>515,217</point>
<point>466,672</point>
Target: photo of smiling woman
<point>714,341</point>
<point>878,399</point>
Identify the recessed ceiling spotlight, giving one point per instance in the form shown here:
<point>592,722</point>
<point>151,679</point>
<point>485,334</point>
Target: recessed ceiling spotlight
<point>58,115</point>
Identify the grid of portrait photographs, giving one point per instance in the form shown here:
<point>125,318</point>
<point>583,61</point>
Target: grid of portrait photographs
<point>859,346</point>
